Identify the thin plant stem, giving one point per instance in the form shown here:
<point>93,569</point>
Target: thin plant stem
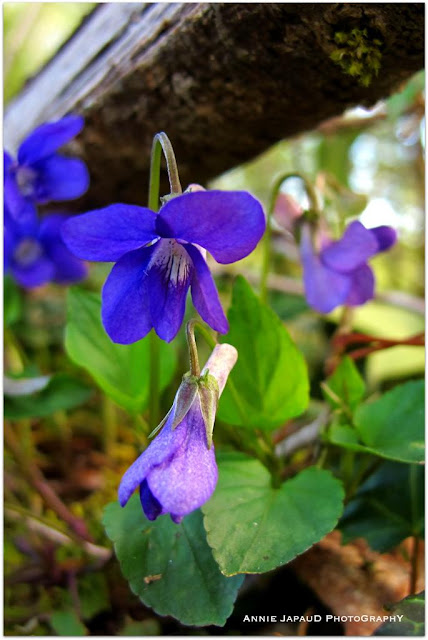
<point>347,461</point>
<point>346,410</point>
<point>366,470</point>
<point>142,429</point>
<point>414,566</point>
<point>109,425</point>
<point>272,462</point>
<point>64,429</point>
<point>64,433</point>
<point>414,514</point>
<point>195,369</point>
<point>160,143</point>
<point>268,233</point>
<point>212,343</point>
<point>337,350</point>
<point>322,459</point>
<point>26,438</point>
<point>154,390</point>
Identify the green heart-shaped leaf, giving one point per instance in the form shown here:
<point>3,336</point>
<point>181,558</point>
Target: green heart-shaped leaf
<point>393,426</point>
<point>270,378</point>
<point>253,527</point>
<point>388,507</point>
<point>169,566</point>
<point>412,622</point>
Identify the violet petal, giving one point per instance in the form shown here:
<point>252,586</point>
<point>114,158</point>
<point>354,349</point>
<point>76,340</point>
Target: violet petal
<point>168,281</point>
<point>47,138</point>
<point>204,292</point>
<point>59,178</point>
<point>324,288</point>
<point>229,224</point>
<point>125,306</point>
<point>187,480</point>
<point>385,236</point>
<point>362,286</point>
<point>152,508</point>
<point>106,235</point>
<point>353,249</point>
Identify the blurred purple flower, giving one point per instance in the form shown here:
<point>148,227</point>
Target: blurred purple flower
<point>159,257</point>
<point>16,206</point>
<point>35,254</point>
<point>339,273</point>
<point>177,473</point>
<point>39,174</point>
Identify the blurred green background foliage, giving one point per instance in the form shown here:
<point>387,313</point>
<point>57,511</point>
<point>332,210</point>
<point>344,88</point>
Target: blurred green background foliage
<point>33,32</point>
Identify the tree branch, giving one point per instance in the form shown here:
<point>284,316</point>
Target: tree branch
<point>224,80</point>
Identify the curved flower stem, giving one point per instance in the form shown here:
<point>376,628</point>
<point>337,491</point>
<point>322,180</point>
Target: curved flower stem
<point>268,233</point>
<point>154,379</point>
<point>195,369</point>
<point>161,142</point>
<point>368,467</point>
<point>337,349</point>
<point>212,343</point>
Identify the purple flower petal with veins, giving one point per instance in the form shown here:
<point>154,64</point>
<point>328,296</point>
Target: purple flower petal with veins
<point>159,257</point>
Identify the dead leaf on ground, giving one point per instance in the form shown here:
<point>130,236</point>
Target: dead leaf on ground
<point>353,580</point>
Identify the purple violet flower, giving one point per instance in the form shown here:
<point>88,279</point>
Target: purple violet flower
<point>339,273</point>
<point>41,175</point>
<point>35,254</point>
<point>159,256</point>
<point>177,473</point>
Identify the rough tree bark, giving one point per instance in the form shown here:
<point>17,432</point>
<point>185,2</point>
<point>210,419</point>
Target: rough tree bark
<point>225,81</point>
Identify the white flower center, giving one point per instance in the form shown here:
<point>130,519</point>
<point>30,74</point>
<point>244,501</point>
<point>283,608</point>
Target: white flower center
<point>173,260</point>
